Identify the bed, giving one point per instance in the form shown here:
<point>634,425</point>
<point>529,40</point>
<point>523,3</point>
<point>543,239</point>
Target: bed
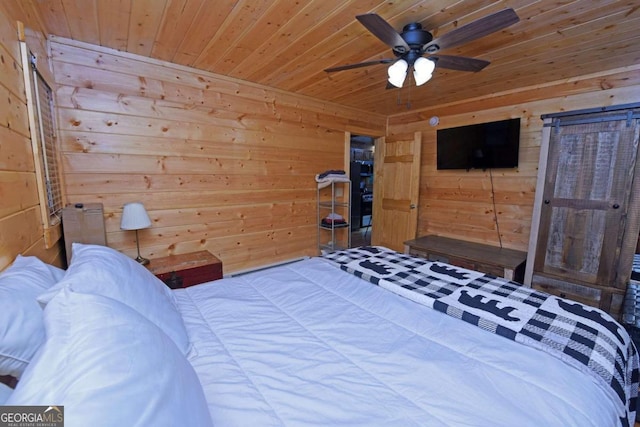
<point>363,337</point>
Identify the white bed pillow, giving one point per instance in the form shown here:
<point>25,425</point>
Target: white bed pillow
<point>109,366</point>
<point>21,327</point>
<point>104,271</point>
<point>5,392</point>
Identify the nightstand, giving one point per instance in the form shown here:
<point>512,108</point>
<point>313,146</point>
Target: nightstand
<point>181,271</point>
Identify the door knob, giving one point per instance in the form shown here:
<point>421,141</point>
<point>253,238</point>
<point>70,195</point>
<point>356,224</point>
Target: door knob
<point>615,206</point>
<point>412,206</point>
<point>547,201</point>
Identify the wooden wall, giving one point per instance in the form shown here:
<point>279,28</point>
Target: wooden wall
<point>228,166</point>
<point>460,204</point>
<point>219,164</point>
<point>20,222</point>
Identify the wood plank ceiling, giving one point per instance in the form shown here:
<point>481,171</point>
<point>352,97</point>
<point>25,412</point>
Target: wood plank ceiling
<point>287,44</point>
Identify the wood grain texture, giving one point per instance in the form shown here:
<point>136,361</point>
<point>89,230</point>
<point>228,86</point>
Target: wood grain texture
<point>21,230</point>
<point>152,129</point>
<point>288,44</point>
<point>220,165</point>
<point>396,190</point>
<point>460,204</point>
<point>585,236</point>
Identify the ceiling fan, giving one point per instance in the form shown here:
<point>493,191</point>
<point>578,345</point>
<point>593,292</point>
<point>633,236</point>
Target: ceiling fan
<point>413,43</point>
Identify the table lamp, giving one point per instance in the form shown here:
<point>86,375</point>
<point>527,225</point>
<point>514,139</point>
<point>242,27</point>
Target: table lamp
<point>134,217</point>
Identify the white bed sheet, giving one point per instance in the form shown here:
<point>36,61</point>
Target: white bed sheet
<point>306,344</point>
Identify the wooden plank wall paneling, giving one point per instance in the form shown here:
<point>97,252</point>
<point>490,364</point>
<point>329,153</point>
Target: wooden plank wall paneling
<point>21,229</point>
<point>459,204</point>
<point>228,166</point>
<point>219,164</point>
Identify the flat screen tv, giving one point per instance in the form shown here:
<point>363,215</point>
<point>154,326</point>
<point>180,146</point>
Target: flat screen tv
<point>479,146</point>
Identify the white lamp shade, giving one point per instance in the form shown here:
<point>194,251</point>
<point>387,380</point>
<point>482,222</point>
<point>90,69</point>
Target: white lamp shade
<point>423,70</point>
<point>134,217</point>
<point>398,72</point>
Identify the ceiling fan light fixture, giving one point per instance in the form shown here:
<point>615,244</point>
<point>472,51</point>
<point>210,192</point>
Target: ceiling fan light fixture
<point>398,72</point>
<point>423,70</point>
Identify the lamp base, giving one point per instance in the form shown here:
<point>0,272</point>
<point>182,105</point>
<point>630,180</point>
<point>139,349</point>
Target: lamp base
<point>141,260</point>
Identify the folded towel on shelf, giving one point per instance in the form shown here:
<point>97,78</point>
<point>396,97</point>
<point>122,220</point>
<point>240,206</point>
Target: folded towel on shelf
<point>331,172</point>
<point>333,219</point>
<point>326,178</point>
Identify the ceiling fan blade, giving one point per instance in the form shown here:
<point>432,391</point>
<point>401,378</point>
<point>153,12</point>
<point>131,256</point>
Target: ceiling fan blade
<point>358,65</point>
<point>460,63</point>
<point>385,32</point>
<point>474,30</point>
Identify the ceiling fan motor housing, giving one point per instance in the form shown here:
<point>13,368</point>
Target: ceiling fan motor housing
<point>416,38</point>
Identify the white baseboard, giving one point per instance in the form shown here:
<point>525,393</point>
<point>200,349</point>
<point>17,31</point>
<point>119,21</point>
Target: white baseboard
<point>264,267</point>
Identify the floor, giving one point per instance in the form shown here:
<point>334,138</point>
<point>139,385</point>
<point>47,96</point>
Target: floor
<point>361,237</point>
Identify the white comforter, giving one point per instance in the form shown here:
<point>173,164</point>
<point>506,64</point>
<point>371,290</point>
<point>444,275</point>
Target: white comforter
<point>307,344</point>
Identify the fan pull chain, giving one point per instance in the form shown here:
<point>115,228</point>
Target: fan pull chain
<point>409,92</point>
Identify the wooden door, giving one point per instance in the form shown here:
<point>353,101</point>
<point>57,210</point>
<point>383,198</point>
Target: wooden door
<point>585,205</point>
<point>396,190</point>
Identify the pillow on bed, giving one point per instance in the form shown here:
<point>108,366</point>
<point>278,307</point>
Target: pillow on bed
<point>110,366</point>
<point>104,271</point>
<point>5,392</point>
<point>21,328</point>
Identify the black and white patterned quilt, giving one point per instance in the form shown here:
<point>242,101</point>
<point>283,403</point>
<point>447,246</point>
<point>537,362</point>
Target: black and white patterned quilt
<point>585,337</point>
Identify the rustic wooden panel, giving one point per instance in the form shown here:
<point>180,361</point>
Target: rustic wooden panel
<point>176,18</point>
<point>18,232</point>
<point>120,109</point>
<point>244,250</point>
<point>208,22</point>
<point>183,199</point>
<point>15,151</point>
<point>8,34</point>
<point>246,214</point>
<point>288,45</point>
<point>13,112</point>
<point>11,73</point>
<point>113,23</point>
<point>242,253</point>
<point>20,223</point>
<point>146,16</point>
<point>241,19</point>
<point>88,183</point>
<point>588,181</point>
<point>115,163</point>
<point>190,87</point>
<point>219,164</point>
<point>227,143</point>
<point>168,236</point>
<point>622,86</point>
<point>459,204</point>
<point>19,192</point>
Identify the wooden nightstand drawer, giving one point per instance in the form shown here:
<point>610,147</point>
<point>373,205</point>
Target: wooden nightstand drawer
<point>181,271</point>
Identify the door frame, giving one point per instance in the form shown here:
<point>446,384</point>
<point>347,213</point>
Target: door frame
<point>537,202</point>
<point>347,163</point>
